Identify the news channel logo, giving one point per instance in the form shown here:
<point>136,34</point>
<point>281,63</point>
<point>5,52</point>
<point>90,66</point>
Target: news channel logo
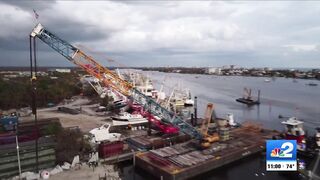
<point>281,155</point>
<point>282,150</point>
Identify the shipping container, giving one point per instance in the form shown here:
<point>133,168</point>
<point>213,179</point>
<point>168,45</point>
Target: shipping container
<point>110,149</point>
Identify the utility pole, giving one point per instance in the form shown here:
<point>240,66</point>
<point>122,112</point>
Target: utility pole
<point>33,78</point>
<point>18,156</point>
<point>18,153</point>
<point>149,120</point>
<point>195,111</point>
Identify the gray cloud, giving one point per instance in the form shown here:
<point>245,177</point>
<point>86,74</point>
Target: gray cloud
<point>161,33</point>
<point>30,5</point>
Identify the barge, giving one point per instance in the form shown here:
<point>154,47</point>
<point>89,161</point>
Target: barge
<point>248,102</point>
<point>247,98</point>
<point>183,161</point>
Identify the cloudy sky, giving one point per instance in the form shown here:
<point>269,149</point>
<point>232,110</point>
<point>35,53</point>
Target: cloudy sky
<point>168,33</point>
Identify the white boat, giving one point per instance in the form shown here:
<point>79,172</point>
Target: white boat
<point>230,120</point>
<point>146,88</point>
<point>120,103</point>
<point>318,138</point>
<point>144,85</point>
<point>126,118</point>
<point>102,133</point>
<point>188,100</point>
<point>267,80</point>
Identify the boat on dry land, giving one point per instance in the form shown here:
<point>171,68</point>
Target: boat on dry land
<point>126,118</point>
<point>100,134</point>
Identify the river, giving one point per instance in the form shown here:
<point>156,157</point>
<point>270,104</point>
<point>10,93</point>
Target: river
<point>280,96</point>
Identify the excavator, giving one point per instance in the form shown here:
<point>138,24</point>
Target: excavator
<point>208,138</point>
<point>111,80</point>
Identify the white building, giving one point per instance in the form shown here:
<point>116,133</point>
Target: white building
<point>60,70</point>
<point>213,70</point>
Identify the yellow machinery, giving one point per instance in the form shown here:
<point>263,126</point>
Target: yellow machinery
<point>208,138</point>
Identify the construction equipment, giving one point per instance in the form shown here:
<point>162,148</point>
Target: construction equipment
<point>247,98</point>
<point>111,79</point>
<point>208,138</point>
<point>247,93</point>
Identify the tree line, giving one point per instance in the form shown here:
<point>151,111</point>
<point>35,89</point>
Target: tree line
<point>17,92</point>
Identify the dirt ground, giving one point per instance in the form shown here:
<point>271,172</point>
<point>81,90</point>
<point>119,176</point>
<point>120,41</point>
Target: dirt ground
<point>86,120</point>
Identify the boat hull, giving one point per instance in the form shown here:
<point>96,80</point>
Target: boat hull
<point>131,122</point>
<point>248,102</point>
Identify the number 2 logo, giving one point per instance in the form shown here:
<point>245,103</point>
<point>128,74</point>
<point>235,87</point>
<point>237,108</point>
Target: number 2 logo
<point>287,148</point>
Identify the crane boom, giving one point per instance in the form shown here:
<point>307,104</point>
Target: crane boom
<point>207,119</point>
<point>111,79</point>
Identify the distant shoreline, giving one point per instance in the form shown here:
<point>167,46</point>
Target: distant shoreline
<point>313,74</point>
<point>298,73</point>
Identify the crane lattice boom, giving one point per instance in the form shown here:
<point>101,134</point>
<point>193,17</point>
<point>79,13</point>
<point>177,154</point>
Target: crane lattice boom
<point>111,79</point>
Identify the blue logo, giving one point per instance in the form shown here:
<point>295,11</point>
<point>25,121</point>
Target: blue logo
<point>281,150</point>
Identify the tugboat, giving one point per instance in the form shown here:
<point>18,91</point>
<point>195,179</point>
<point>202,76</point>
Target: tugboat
<point>294,131</point>
<point>306,146</point>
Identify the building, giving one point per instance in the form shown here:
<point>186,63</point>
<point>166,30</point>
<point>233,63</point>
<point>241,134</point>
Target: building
<point>60,70</point>
<point>213,70</point>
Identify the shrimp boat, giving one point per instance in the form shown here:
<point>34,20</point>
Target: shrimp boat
<point>126,118</point>
<point>144,84</point>
<point>182,98</point>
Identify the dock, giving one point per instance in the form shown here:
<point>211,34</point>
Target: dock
<point>118,158</point>
<point>183,161</point>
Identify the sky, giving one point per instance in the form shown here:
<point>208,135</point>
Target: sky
<point>167,33</point>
